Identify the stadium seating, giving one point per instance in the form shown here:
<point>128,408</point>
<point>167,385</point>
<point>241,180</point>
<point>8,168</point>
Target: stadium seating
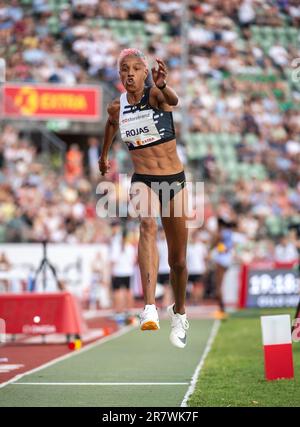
<point>226,73</point>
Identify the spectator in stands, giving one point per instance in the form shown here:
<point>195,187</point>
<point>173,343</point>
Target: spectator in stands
<point>74,163</point>
<point>209,165</point>
<point>246,13</point>
<point>99,289</point>
<point>5,266</point>
<point>123,260</point>
<point>197,254</point>
<point>222,256</point>
<point>285,251</point>
<point>93,154</point>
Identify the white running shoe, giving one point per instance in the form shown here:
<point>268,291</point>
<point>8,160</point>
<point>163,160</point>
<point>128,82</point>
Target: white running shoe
<point>179,326</point>
<point>149,318</point>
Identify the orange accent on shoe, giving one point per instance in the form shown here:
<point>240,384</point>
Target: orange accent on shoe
<point>220,315</point>
<point>149,326</point>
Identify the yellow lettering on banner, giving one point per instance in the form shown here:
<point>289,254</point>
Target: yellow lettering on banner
<point>82,102</point>
<point>63,101</point>
<point>45,101</point>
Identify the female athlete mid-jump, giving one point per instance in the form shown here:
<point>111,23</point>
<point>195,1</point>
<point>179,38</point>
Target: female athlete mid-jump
<point>144,116</point>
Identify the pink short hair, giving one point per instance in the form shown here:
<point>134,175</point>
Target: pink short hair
<point>132,52</point>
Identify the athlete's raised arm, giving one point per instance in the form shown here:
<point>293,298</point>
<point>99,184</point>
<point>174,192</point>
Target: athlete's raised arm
<point>163,93</point>
<point>111,128</point>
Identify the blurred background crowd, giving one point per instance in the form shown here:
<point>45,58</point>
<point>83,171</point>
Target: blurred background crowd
<point>243,97</point>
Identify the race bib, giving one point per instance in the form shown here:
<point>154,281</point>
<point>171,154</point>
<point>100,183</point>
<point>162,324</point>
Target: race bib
<point>139,128</point>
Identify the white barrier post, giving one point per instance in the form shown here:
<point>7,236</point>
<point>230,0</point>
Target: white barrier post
<point>277,342</point>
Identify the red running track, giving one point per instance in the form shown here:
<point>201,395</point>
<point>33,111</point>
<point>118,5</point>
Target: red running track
<point>32,356</point>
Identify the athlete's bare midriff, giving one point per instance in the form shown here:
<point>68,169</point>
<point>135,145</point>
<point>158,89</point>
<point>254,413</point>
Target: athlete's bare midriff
<point>159,159</point>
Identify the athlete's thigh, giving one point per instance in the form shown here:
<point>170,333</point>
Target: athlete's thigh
<point>143,201</point>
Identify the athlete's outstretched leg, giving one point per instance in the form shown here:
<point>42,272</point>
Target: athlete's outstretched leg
<point>148,258</point>
<point>147,247</point>
<point>177,234</point>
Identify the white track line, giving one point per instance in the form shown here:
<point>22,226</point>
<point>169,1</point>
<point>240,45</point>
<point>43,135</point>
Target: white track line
<point>69,355</point>
<point>92,384</point>
<point>191,389</point>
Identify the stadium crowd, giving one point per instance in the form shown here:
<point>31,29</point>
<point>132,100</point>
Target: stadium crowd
<point>239,83</point>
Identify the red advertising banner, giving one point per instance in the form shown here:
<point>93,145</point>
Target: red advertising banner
<point>48,102</point>
<point>41,313</point>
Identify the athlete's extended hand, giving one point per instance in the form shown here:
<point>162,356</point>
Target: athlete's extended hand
<point>160,75</point>
<point>104,165</point>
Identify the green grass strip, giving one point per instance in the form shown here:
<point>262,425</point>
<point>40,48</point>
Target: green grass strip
<point>233,374</point>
